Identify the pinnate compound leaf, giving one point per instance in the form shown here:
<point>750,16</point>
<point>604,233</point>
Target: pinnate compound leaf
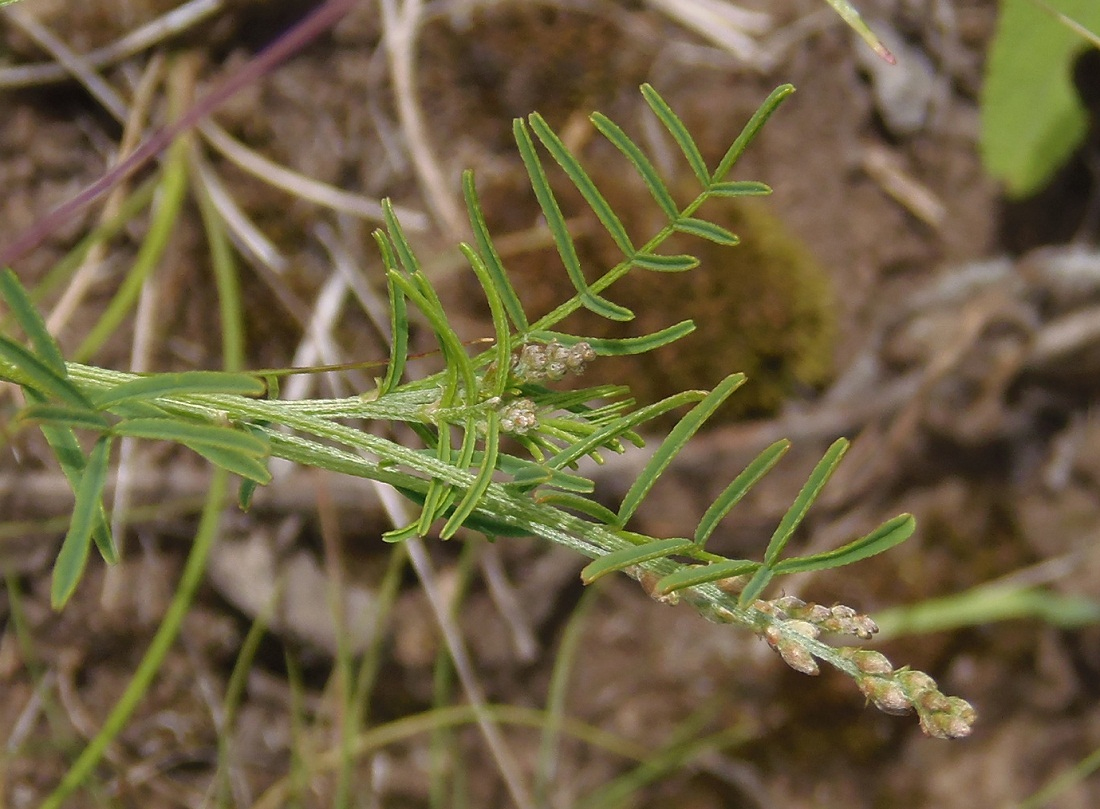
<point>890,533</point>
<point>806,497</point>
<point>738,488</point>
<point>69,565</point>
<point>627,557</point>
<point>674,442</point>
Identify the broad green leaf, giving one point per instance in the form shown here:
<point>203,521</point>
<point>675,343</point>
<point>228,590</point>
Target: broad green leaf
<point>760,579</point>
<point>610,130</point>
<point>31,322</point>
<point>73,555</point>
<point>736,490</point>
<point>27,369</point>
<point>583,182</point>
<point>890,533</point>
<point>74,417</point>
<point>1031,117</point>
<point>679,133</point>
<point>739,188</point>
<point>675,441</point>
<point>810,491</point>
<point>656,263</point>
<point>628,557</point>
<point>706,230</point>
<point>490,256</point>
<point>622,346</point>
<point>248,466</point>
<point>558,230</point>
<point>178,384</point>
<point>704,574</point>
<point>193,434</point>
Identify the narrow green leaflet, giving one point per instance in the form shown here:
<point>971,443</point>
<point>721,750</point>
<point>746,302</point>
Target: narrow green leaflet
<point>399,324</point>
<point>193,433</point>
<point>249,467</point>
<point>739,188</point>
<point>610,130</point>
<point>705,230</point>
<point>180,384</point>
<point>527,475</point>
<point>732,494</point>
<point>401,244</point>
<point>69,565</point>
<point>679,133</point>
<point>31,322</point>
<point>573,453</point>
<point>489,255</point>
<point>556,222</point>
<point>621,346</point>
<point>26,369</point>
<point>499,314</point>
<point>890,533</point>
<point>583,182</point>
<point>810,491</point>
<point>74,417</point>
<point>748,134</point>
<point>484,477</point>
<point>627,557</point>
<point>657,263</point>
<point>574,502</point>
<point>704,574</point>
<point>674,442</point>
<point>850,15</point>
<point>760,579</point>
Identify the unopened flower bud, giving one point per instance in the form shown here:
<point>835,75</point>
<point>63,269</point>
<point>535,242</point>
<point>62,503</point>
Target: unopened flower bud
<point>886,695</point>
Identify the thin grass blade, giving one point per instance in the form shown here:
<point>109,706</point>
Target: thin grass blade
<point>886,536</point>
<point>490,256</point>
<point>706,230</point>
<point>69,566</point>
<point>679,133</point>
<point>628,557</point>
<point>185,383</point>
<point>738,488</point>
<point>575,171</point>
<point>674,442</point>
<point>560,232</point>
<point>810,491</point>
<point>610,130</point>
<point>704,574</point>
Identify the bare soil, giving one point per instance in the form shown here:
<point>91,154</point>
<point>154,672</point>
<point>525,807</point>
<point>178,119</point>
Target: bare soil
<point>878,293</point>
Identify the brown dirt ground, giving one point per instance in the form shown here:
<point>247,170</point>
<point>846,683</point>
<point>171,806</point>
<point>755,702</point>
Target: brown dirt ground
<point>877,324</point>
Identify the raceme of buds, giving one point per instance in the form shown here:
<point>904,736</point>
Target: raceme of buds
<point>551,361</point>
<point>518,416</point>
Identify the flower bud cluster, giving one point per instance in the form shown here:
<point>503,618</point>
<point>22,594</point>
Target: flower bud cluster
<point>518,416</point>
<point>551,361</point>
<point>903,690</point>
<point>836,620</point>
<point>794,654</point>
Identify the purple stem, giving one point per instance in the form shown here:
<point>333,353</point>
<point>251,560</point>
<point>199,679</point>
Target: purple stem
<point>313,25</point>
